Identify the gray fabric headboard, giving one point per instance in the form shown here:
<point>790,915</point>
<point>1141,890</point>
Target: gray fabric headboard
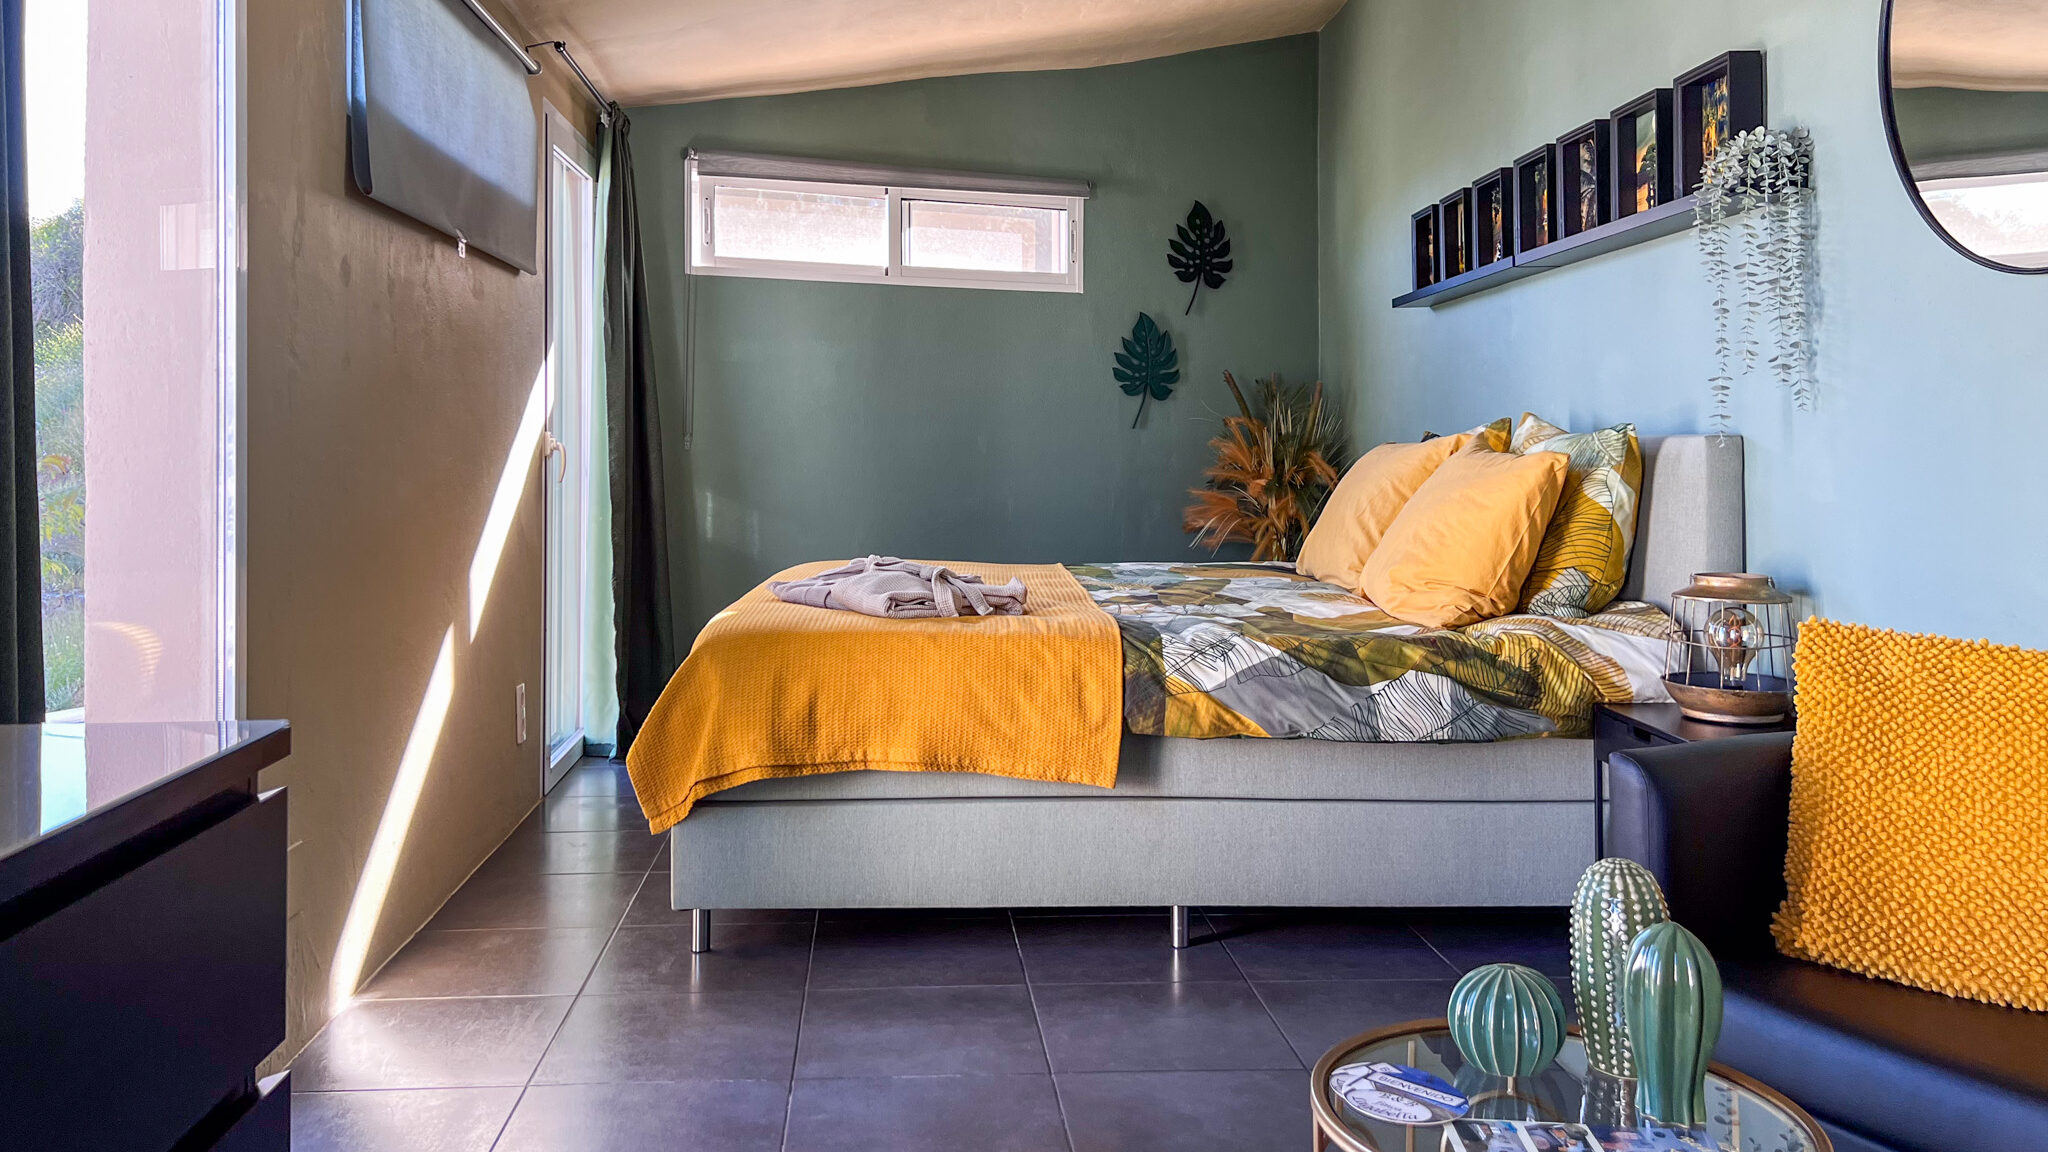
<point>1690,516</point>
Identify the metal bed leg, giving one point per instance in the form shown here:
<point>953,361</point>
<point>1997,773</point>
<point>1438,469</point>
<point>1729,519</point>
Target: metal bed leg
<point>1179,914</point>
<point>700,930</point>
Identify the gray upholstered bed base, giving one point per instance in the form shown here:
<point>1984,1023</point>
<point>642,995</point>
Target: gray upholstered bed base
<point>1241,822</point>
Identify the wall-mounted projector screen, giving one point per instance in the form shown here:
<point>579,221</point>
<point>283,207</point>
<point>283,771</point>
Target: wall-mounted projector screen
<point>441,126</point>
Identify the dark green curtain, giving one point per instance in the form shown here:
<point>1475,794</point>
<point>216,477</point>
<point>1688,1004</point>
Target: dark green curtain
<point>21,556</point>
<point>643,617</point>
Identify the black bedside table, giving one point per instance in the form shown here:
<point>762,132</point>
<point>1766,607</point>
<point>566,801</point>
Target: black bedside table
<point>1620,727</point>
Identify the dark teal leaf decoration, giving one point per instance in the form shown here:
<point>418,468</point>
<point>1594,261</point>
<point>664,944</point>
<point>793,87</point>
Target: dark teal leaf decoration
<point>1199,253</point>
<point>1148,367</point>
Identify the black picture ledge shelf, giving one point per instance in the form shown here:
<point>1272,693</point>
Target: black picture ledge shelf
<point>1663,220</point>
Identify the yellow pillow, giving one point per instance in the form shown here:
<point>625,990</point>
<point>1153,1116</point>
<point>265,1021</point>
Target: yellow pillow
<point>1915,851</point>
<point>1584,559</point>
<point>1462,546</point>
<point>1364,503</point>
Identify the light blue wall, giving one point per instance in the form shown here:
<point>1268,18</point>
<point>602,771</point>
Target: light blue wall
<point>1911,499</point>
<point>835,420</point>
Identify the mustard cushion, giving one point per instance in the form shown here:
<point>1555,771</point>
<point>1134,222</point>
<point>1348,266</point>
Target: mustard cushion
<point>1584,559</point>
<point>1462,546</point>
<point>1916,849</point>
<point>1363,505</point>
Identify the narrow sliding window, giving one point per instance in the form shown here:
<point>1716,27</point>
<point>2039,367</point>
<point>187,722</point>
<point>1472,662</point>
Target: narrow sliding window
<point>570,263</point>
<point>795,219</point>
<point>135,191</point>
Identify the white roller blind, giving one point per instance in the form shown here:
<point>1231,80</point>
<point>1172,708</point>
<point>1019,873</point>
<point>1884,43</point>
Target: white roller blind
<point>761,167</point>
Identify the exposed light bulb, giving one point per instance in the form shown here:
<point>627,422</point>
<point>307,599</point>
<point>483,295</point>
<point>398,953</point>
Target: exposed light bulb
<point>1733,636</point>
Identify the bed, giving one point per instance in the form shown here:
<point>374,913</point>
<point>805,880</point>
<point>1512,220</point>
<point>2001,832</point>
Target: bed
<point>1232,821</point>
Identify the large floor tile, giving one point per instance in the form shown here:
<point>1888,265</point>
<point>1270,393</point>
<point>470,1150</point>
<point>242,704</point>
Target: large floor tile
<point>1316,1014</point>
<point>514,900</point>
<point>702,1115</point>
<point>659,1036</point>
<point>919,1032</point>
<point>1540,939</point>
<point>491,962</point>
<point>534,849</point>
<point>744,958</point>
<point>1116,950</point>
<point>897,953</point>
<point>430,1043</point>
<point>1186,1111</point>
<point>417,1120</point>
<point>898,914</point>
<point>1158,1027</point>
<point>927,1114</point>
<point>1328,948</point>
<point>651,906</point>
<point>595,777</point>
<point>561,813</point>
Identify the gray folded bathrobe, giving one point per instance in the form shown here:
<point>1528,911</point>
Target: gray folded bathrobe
<point>902,590</point>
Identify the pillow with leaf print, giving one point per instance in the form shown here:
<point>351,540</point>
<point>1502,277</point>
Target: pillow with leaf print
<point>1584,557</point>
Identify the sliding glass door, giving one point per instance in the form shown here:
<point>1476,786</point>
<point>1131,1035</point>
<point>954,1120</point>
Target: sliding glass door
<point>571,270</point>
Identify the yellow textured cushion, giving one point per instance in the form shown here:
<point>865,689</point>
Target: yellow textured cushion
<point>1462,545</point>
<point>1919,783</point>
<point>1363,506</point>
<point>1584,559</point>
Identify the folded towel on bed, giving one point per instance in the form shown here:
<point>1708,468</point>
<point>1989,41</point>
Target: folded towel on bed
<point>903,590</point>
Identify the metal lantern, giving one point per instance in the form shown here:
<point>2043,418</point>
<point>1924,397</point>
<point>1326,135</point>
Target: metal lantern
<point>1729,659</point>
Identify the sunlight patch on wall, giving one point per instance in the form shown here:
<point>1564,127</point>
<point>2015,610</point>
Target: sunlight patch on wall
<point>490,547</point>
<point>365,909</point>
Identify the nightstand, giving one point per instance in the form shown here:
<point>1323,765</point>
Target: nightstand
<point>1620,727</point>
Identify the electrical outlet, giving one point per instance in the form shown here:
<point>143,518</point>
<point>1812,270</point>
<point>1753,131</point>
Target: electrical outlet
<point>519,706</point>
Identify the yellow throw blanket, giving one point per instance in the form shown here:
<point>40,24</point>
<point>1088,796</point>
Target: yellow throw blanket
<point>772,689</point>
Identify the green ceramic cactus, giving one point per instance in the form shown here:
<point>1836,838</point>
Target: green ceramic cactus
<point>1507,1019</point>
<point>1673,1002</point>
<point>1616,899</point>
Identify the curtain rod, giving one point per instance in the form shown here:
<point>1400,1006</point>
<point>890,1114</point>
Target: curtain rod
<point>604,106</point>
<point>527,62</point>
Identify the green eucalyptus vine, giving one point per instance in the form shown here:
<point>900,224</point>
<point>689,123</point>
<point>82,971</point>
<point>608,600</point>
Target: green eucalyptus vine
<point>1754,208</point>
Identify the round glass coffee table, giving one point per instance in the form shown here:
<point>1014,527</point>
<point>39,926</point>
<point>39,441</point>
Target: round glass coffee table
<point>1744,1116</point>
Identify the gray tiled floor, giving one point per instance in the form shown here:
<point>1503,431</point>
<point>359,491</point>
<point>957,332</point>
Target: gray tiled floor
<point>554,1006</point>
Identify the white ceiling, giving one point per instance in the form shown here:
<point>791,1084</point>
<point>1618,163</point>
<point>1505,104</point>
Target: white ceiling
<point>1999,45</point>
<point>669,51</point>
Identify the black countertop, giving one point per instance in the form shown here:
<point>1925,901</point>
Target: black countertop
<point>70,792</point>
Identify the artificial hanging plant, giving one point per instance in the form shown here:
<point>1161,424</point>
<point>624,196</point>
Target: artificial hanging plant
<point>1754,208</point>
<point>1275,465</point>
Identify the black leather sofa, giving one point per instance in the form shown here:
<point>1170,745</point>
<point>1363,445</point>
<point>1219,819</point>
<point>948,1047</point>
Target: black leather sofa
<point>1885,1068</point>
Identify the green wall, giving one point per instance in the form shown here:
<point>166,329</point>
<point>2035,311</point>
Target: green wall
<point>1911,499</point>
<point>833,420</point>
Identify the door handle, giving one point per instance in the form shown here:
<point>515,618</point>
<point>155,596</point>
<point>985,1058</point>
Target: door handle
<point>554,447</point>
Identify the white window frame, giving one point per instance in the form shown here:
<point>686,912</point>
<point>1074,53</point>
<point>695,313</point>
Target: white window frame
<point>704,261</point>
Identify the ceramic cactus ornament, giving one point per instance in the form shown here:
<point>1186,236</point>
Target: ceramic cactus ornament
<point>1673,1003</point>
<point>1616,899</point>
<point>1507,1019</point>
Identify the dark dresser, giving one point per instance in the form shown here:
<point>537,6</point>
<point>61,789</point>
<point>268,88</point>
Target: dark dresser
<point>142,937</point>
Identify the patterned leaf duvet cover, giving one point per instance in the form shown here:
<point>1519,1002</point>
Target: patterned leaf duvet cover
<point>1258,650</point>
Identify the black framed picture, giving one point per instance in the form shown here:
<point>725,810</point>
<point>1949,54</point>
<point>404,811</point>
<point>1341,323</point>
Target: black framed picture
<point>1536,199</point>
<point>1423,228</point>
<point>1493,217</point>
<point>1716,100</point>
<point>1642,154</point>
<point>1584,179</point>
<point>1454,232</point>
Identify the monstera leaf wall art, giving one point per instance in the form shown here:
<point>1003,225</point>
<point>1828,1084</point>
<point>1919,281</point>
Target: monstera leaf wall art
<point>1199,252</point>
<point>1148,367</point>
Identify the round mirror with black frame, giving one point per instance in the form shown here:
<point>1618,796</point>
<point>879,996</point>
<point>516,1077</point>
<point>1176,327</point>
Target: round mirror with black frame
<point>1965,96</point>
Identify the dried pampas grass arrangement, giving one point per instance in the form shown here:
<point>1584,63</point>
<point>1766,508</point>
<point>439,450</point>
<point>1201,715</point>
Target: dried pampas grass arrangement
<point>1275,464</point>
